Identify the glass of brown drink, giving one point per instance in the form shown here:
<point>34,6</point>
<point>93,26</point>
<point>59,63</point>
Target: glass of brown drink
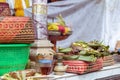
<point>45,66</point>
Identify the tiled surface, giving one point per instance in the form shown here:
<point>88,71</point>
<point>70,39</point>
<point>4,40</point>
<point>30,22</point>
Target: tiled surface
<point>106,71</point>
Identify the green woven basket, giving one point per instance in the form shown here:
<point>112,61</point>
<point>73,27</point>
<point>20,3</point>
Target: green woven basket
<point>13,57</point>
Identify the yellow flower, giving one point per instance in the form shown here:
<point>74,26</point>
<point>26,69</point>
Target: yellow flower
<point>53,26</point>
<point>19,11</point>
<point>2,0</point>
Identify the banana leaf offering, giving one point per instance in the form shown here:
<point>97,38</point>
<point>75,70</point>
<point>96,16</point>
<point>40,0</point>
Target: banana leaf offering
<point>85,51</point>
<point>98,45</point>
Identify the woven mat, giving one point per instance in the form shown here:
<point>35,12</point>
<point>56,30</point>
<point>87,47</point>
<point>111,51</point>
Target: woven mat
<point>113,77</point>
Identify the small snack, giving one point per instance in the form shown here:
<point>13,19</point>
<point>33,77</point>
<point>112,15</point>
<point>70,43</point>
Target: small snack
<point>19,75</point>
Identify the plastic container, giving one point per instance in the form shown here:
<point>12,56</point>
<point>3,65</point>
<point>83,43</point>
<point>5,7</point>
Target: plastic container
<point>13,57</point>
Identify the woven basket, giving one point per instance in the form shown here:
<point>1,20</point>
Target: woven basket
<point>81,67</point>
<point>13,57</point>
<point>108,60</point>
<point>16,30</point>
<point>4,9</point>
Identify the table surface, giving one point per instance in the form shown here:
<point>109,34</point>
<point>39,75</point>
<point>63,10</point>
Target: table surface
<point>106,71</point>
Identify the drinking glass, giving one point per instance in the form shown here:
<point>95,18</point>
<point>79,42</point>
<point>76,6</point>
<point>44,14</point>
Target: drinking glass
<point>45,66</point>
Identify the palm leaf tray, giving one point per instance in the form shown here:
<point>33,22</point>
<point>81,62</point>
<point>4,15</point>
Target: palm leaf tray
<point>82,67</point>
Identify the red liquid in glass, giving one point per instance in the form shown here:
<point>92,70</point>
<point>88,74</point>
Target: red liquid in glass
<point>45,70</point>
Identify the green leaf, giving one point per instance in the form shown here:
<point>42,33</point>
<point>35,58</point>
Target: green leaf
<point>68,57</point>
<point>60,20</point>
<point>87,58</point>
<point>83,52</point>
<point>74,57</point>
<point>65,50</point>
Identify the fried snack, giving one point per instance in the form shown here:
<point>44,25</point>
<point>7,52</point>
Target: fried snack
<point>19,75</point>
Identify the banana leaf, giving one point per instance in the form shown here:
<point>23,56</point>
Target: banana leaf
<point>105,53</point>
<point>65,50</point>
<point>87,58</point>
<point>70,57</point>
<point>83,52</point>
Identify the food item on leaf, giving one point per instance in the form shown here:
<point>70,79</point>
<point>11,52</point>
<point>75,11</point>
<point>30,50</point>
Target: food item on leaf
<point>86,51</point>
<point>105,53</point>
<point>80,43</point>
<point>89,52</point>
<point>94,43</point>
<point>35,77</point>
<point>97,45</point>
<point>59,26</point>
